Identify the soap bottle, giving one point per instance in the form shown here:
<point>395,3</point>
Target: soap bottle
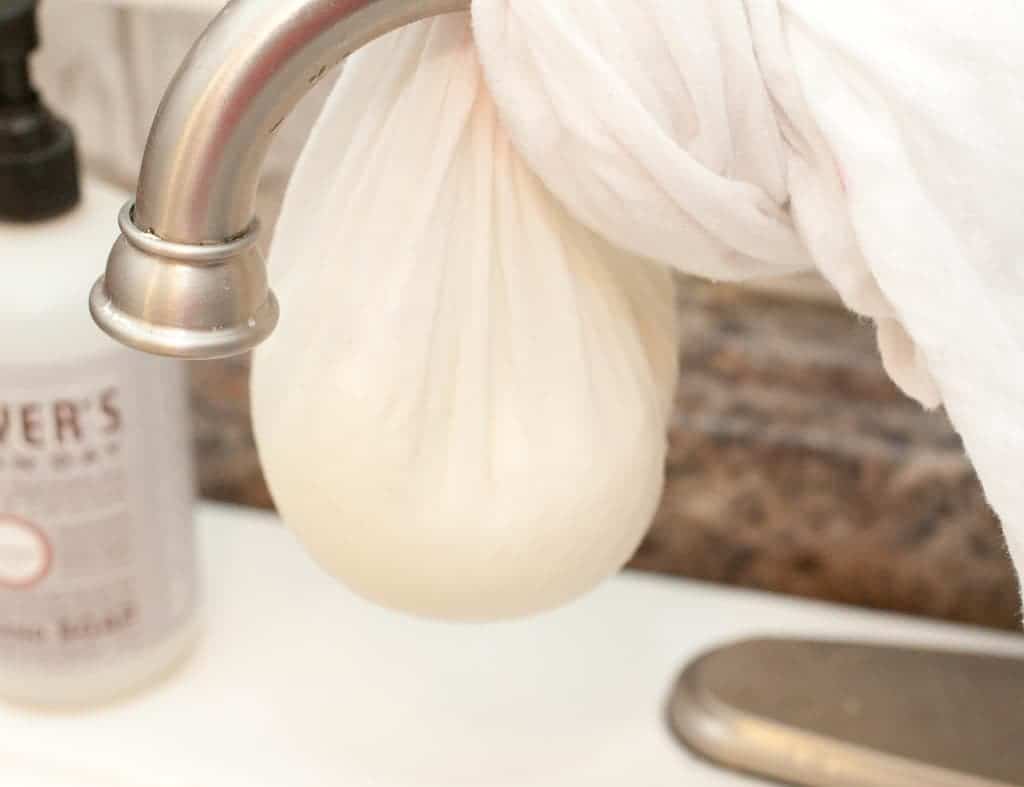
<point>98,579</point>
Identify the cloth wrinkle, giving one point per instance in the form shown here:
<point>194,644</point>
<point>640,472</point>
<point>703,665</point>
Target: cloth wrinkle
<point>878,143</point>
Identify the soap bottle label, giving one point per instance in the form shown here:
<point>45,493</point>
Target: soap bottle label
<point>97,554</point>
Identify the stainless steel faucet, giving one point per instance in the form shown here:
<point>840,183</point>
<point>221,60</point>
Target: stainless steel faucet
<point>186,278</point>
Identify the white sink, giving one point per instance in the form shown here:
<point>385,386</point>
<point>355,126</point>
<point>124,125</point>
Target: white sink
<point>299,684</point>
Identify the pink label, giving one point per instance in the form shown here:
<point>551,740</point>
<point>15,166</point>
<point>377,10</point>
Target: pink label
<point>97,553</point>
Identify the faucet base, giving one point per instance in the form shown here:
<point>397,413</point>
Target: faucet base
<point>832,714</point>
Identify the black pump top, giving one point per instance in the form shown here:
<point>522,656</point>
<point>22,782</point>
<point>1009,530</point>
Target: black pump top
<point>38,164</point>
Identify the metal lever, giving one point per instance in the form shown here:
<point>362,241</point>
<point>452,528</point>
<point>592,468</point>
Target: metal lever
<point>830,714</point>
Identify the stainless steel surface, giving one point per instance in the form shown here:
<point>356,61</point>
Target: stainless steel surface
<point>153,285</point>
<point>847,715</point>
<point>185,278</point>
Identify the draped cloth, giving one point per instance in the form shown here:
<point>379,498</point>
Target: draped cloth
<point>879,142</point>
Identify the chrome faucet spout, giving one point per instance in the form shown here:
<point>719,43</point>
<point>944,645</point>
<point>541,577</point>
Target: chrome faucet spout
<point>186,278</point>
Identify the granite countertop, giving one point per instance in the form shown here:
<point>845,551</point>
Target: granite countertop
<point>795,466</point>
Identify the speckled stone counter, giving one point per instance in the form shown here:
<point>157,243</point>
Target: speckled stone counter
<point>795,466</point>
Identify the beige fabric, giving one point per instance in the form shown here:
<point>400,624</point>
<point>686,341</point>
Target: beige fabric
<point>463,412</point>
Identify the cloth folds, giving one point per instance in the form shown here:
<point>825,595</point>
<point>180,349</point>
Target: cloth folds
<point>881,142</point>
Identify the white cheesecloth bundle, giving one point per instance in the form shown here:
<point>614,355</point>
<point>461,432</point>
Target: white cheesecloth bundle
<point>880,142</point>
<point>463,412</point>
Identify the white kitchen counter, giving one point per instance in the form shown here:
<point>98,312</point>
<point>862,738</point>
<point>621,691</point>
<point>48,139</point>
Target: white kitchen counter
<point>297,683</point>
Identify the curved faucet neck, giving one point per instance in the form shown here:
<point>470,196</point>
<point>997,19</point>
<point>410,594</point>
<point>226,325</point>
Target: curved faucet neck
<point>240,81</point>
<point>186,277</point>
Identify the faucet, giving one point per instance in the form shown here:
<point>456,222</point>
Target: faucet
<point>186,277</point>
